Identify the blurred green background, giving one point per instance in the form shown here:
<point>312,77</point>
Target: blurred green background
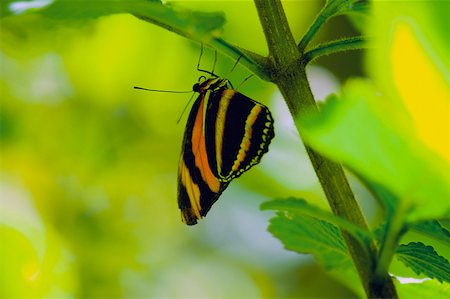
<point>89,166</point>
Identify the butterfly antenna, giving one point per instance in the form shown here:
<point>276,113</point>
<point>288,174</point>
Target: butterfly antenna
<point>240,84</point>
<point>234,66</point>
<point>215,60</point>
<point>200,56</point>
<point>161,90</point>
<point>199,59</point>
<point>184,109</point>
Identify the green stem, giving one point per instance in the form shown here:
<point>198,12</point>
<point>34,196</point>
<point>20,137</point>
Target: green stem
<point>290,76</point>
<point>394,231</point>
<point>282,49</point>
<point>256,63</point>
<point>351,43</point>
<point>323,16</point>
<point>331,9</point>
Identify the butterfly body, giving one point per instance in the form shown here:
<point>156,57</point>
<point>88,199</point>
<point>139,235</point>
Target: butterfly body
<point>226,134</point>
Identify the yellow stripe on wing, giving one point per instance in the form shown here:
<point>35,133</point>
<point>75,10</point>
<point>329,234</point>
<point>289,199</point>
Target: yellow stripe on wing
<point>220,125</point>
<point>192,190</point>
<point>245,144</point>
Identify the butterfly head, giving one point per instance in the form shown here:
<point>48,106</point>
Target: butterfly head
<point>212,83</point>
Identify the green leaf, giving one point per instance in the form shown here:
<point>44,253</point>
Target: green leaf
<point>338,7</point>
<point>304,234</point>
<point>355,6</point>
<point>425,260</point>
<point>360,6</point>
<point>433,229</point>
<point>302,207</point>
<point>192,24</point>
<point>340,45</point>
<point>197,25</point>
<point>372,137</point>
<point>387,199</point>
<point>360,15</point>
<point>426,289</point>
<point>445,223</point>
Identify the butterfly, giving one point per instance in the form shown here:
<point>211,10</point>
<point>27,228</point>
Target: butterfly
<point>226,134</point>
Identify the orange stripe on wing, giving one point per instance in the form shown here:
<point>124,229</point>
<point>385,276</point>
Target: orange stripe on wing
<point>199,150</point>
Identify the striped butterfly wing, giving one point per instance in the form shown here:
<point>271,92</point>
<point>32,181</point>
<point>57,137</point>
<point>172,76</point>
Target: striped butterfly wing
<point>238,133</point>
<point>221,141</point>
<point>198,187</point>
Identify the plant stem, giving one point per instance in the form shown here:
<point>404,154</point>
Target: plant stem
<point>351,43</point>
<point>322,17</point>
<point>256,63</point>
<point>330,9</point>
<point>290,76</point>
<point>392,235</point>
